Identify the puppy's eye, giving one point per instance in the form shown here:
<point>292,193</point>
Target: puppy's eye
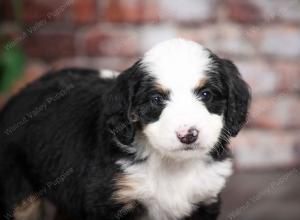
<point>205,95</point>
<point>157,99</point>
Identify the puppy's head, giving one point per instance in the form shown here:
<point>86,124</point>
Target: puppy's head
<point>181,97</point>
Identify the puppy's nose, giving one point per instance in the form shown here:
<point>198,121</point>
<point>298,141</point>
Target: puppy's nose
<point>188,136</point>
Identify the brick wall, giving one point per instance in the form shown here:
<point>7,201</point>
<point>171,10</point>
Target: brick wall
<point>261,36</point>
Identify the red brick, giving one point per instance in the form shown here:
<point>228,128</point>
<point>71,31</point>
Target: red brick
<point>276,112</point>
<point>6,10</point>
<point>244,11</point>
<point>50,45</point>
<point>34,11</point>
<point>289,73</point>
<point>113,63</point>
<point>85,11</point>
<point>108,41</point>
<point>134,11</point>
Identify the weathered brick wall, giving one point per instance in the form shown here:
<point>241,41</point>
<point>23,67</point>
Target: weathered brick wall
<point>261,36</point>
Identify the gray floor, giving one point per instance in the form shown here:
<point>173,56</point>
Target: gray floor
<point>268,195</point>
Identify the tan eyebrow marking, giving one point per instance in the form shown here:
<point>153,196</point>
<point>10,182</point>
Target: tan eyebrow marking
<point>201,83</point>
<point>161,88</point>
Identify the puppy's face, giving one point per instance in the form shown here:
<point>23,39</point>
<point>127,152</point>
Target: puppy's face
<point>183,99</point>
<point>192,104</point>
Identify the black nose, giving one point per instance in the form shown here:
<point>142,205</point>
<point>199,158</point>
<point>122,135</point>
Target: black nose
<point>189,137</point>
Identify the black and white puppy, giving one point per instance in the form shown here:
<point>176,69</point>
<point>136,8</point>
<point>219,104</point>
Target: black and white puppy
<point>150,144</point>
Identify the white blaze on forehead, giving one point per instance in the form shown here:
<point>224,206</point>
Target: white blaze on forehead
<point>177,62</point>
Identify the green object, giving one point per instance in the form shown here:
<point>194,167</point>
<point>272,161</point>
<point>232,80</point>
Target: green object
<point>12,63</point>
<point>12,57</point>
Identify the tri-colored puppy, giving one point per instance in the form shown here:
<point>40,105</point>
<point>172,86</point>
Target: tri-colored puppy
<point>150,144</point>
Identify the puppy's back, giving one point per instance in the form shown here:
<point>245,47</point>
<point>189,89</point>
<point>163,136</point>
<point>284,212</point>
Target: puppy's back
<point>50,91</point>
<point>51,119</point>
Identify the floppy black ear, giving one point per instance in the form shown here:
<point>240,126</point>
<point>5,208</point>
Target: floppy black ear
<point>238,101</point>
<point>118,113</point>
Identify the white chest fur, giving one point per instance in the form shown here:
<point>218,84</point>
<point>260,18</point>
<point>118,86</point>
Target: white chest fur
<point>169,189</point>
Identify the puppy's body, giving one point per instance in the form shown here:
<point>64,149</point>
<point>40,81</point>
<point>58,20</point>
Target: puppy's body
<point>146,145</point>
<point>61,136</point>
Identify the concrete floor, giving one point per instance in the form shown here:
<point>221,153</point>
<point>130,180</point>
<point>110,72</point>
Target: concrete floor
<point>268,195</point>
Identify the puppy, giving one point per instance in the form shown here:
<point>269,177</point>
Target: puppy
<point>150,144</point>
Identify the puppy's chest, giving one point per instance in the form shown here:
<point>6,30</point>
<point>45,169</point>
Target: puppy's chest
<point>171,190</point>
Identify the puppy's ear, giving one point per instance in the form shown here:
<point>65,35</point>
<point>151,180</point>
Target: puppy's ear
<point>119,113</point>
<point>238,101</point>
